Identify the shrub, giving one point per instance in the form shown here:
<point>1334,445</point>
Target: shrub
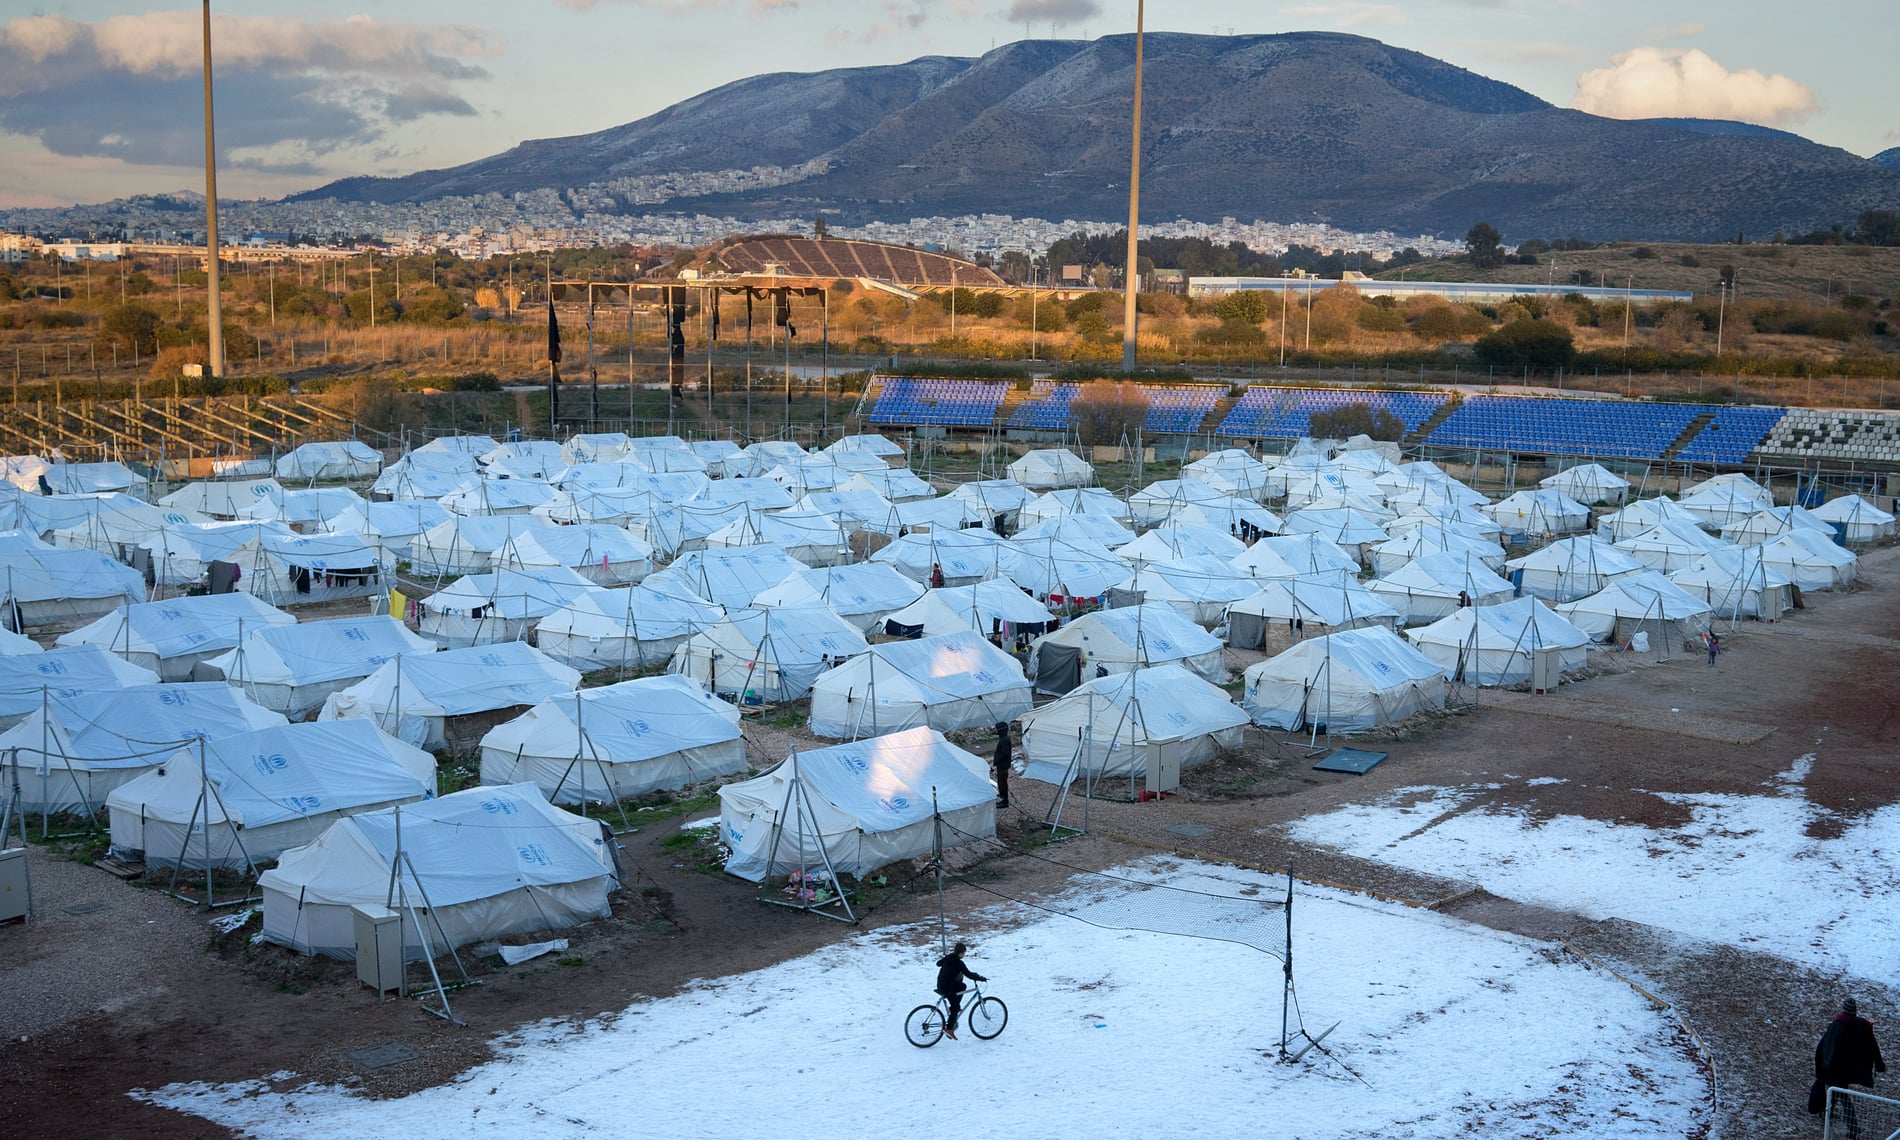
<point>1536,342</point>
<point>1248,306</point>
<point>1107,411</point>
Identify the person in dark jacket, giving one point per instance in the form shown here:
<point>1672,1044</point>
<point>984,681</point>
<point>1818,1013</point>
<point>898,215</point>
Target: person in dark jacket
<point>1847,1054</point>
<point>950,974</point>
<point>1001,761</point>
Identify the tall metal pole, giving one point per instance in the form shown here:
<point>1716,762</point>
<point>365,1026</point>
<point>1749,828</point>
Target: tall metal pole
<point>1132,276</point>
<point>214,314</point>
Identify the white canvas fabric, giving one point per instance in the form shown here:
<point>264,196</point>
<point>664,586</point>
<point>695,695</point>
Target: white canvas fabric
<point>870,443</point>
<point>1158,501</point>
<point>498,497</point>
<point>26,679</point>
<point>15,645</point>
<point>501,606</point>
<point>1310,486</point>
<point>1060,570</point>
<point>258,794</point>
<point>1294,556</point>
<point>182,555</point>
<point>995,498</point>
<point>1811,561</point>
<point>1644,514</point>
<point>425,475</point>
<point>466,544</point>
<point>342,459</point>
<point>291,669</point>
<point>1119,641</point>
<point>43,587</point>
<point>1860,520</point>
<point>856,510</point>
<point>1419,541</point>
<point>1427,588</point>
<point>1588,483</point>
<point>1722,504</point>
<point>73,749</point>
<point>391,526</point>
<point>44,514</point>
<point>941,513</point>
<point>1734,582</point>
<point>859,806</point>
<point>1341,526</point>
<point>413,698</point>
<point>604,555</point>
<point>1350,682</point>
<point>607,744</point>
<point>303,510</point>
<point>965,556</point>
<point>1493,645</point>
<point>1199,588</point>
<point>1230,516</point>
<point>493,862</point>
<point>1098,529</point>
<point>1641,602</point>
<point>295,569</point>
<point>1050,467</point>
<point>1321,605</point>
<point>991,606</point>
<point>1173,541</point>
<point>631,628</point>
<point>469,445</point>
<point>1764,525</point>
<point>770,655</point>
<point>862,594</point>
<point>1540,511</point>
<point>91,478</point>
<point>895,484</point>
<point>1232,471</point>
<point>595,447</point>
<point>730,577</point>
<point>1570,568</point>
<point>1669,546</point>
<point>1074,501</point>
<point>223,498</point>
<point>172,636</point>
<point>955,681</point>
<point>1445,514</point>
<point>1109,726</point>
<point>811,537</point>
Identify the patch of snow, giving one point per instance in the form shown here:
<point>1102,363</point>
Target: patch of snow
<point>226,923</point>
<point>1790,781</point>
<point>1545,781</point>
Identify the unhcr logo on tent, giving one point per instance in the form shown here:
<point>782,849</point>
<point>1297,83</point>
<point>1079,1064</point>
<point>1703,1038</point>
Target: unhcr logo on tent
<point>854,762</point>
<point>306,804</point>
<point>896,805</point>
<point>534,854</point>
<point>355,634</point>
<point>498,807</point>
<point>174,698</point>
<point>271,764</point>
<point>637,726</point>
<point>51,668</point>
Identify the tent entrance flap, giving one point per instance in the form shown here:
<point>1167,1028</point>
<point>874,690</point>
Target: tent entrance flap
<point>1246,631</point>
<point>1058,668</point>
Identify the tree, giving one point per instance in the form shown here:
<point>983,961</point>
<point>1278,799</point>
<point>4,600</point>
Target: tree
<point>1107,411</point>
<point>1485,246</point>
<point>1355,419</point>
<point>1878,227</point>
<point>1245,306</point>
<point>1537,342</point>
<point>133,328</point>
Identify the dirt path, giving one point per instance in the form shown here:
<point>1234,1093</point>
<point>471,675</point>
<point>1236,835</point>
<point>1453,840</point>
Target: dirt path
<point>138,992</point>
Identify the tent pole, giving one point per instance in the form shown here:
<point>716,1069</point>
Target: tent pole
<point>936,862</point>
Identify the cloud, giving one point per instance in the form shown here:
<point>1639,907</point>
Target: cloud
<point>1651,82</point>
<point>1061,13</point>
<point>1348,15</point>
<point>289,91</point>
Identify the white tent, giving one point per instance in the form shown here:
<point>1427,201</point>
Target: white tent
<point>1310,486</point>
<point>43,587</point>
<point>1418,541</point>
<point>1570,568</point>
<point>1764,525</point>
<point>182,555</point>
<point>1295,556</point>
<point>341,459</point>
<point>303,511</point>
<point>811,537</point>
<point>627,628</point>
<point>1075,501</point>
<point>294,569</point>
<point>75,747</point>
<point>1539,512</point>
<point>18,644</point>
<point>1098,529</point>
<point>607,744</point>
<point>767,655</point>
<point>964,556</point>
<point>760,457</point>
<point>731,576</point>
<point>502,606</point>
<point>1119,641</point>
<point>1640,603</point>
<point>854,510</point>
<point>955,681</point>
<point>1494,645</point>
<point>1348,682</point>
<point>895,484</point>
<point>22,472</point>
<point>1669,546</point>
<point>1306,606</point>
<point>1199,588</point>
<point>28,679</point>
<point>856,807</point>
<point>941,513</point>
<point>1811,561</point>
<point>392,526</point>
<point>292,668</point>
<point>421,475</point>
<point>1588,483</point>
<point>1463,518</point>
<point>1427,588</point>
<point>1735,583</point>
<point>1731,481</point>
<point>1719,504</point>
<point>870,443</point>
<point>595,447</point>
<point>1111,725</point>
<point>1233,516</point>
<point>172,636</point>
<point>994,606</point>
<point>1860,521</point>
<point>498,497</point>
<point>1160,500</point>
<point>604,555</point>
<point>115,514</point>
<point>257,794</point>
<point>469,445</point>
<point>1644,514</point>
<point>1173,541</point>
<point>91,478</point>
<point>1342,526</point>
<point>466,544</point>
<point>1233,471</point>
<point>1049,467</point>
<point>412,698</point>
<point>995,498</point>
<point>862,594</point>
<point>1058,571</point>
<point>222,498</point>
<point>492,862</point>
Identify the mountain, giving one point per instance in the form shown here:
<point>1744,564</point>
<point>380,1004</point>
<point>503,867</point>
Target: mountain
<point>1299,127</point>
<point>1889,158</point>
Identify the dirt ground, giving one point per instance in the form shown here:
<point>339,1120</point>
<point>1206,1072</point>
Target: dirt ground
<point>139,991</point>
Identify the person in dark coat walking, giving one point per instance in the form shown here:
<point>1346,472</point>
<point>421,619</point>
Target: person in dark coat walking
<point>1847,1054</point>
<point>950,974</point>
<point>1001,761</point>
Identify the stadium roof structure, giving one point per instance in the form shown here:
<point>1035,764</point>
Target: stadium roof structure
<point>832,259</point>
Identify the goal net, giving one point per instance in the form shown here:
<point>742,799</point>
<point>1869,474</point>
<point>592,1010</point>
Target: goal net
<point>1856,1115</point>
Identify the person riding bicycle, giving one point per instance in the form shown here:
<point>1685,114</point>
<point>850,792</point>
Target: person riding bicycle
<point>950,974</point>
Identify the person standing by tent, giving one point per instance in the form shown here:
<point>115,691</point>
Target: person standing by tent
<point>950,974</point>
<point>1715,646</point>
<point>936,576</point>
<point>1001,761</point>
<point>1847,1054</point>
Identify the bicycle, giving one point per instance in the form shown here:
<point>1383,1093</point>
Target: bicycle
<point>983,1016</point>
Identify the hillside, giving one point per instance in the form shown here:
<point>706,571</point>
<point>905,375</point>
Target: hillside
<point>1297,127</point>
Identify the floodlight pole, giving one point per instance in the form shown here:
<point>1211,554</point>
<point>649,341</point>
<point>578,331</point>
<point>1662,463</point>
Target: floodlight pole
<point>214,313</point>
<point>1132,275</point>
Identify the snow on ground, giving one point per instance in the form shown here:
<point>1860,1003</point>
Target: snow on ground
<point>1456,1030</point>
<point>1743,871</point>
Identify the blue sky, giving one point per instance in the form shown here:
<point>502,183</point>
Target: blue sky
<point>99,99</point>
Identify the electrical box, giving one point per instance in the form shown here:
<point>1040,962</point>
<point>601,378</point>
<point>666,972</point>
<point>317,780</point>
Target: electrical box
<point>1546,668</point>
<point>378,947</point>
<point>13,889</point>
<point>1164,768</point>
